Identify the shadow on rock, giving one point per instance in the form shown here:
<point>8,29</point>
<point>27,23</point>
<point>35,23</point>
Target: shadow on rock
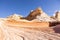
<point>57,28</point>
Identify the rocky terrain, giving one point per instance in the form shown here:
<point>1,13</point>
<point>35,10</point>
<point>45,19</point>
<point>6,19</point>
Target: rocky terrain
<point>36,26</point>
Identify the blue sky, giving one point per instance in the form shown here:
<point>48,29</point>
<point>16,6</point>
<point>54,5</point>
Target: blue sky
<point>23,7</point>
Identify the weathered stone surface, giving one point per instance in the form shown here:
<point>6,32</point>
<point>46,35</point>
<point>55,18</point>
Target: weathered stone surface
<point>15,30</point>
<point>15,17</point>
<point>39,15</point>
<point>33,14</point>
<point>57,15</point>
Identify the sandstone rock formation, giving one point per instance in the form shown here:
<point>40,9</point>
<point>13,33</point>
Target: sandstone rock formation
<point>36,27</point>
<point>57,15</point>
<point>19,30</point>
<point>15,17</point>
<point>39,15</point>
<point>33,14</point>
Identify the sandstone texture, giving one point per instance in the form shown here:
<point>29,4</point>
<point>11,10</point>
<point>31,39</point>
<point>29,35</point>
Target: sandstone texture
<point>36,26</point>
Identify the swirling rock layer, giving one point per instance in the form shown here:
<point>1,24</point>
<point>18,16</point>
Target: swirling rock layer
<point>11,31</point>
